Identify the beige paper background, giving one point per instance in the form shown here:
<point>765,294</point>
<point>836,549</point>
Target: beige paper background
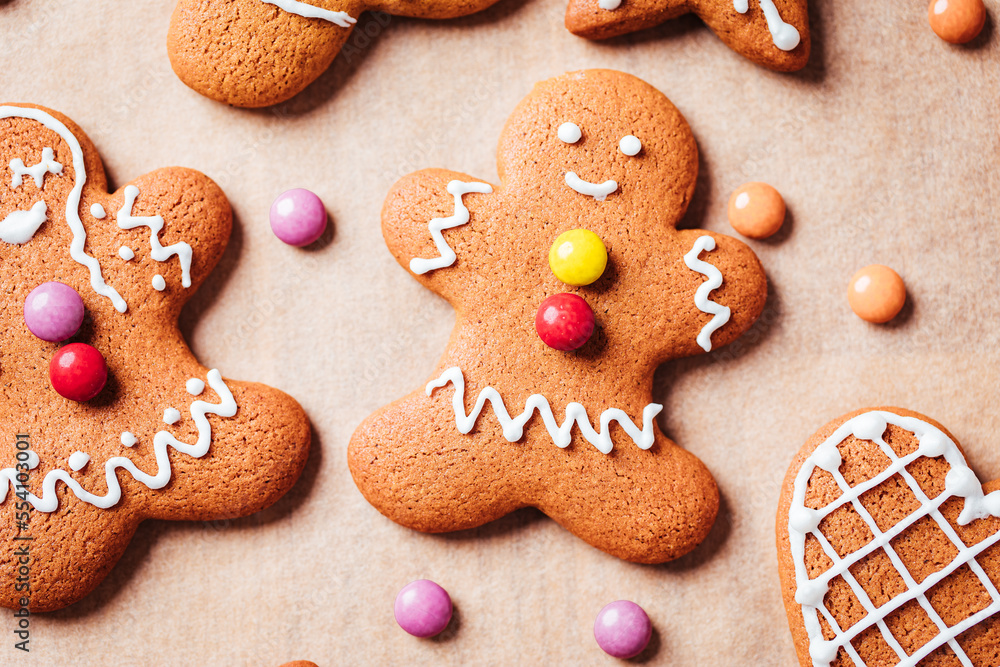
<point>885,148</point>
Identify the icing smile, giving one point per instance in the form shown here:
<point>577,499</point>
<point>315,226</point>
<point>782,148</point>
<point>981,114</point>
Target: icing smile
<point>598,191</point>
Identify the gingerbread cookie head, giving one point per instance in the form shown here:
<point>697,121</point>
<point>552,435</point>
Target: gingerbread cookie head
<point>120,423</point>
<point>541,362</point>
<point>255,53</point>
<point>772,33</point>
<point>889,546</point>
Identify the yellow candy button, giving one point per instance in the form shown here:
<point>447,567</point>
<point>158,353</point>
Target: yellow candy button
<point>578,257</point>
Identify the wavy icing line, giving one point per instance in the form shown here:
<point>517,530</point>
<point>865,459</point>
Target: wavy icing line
<point>784,35</point>
<point>599,191</point>
<point>720,314</point>
<point>960,482</point>
<point>47,165</point>
<point>341,19</point>
<point>513,428</point>
<point>49,501</point>
<point>155,223</point>
<point>461,216</point>
<point>72,203</point>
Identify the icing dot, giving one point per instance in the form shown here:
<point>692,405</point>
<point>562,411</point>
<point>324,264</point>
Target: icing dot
<point>78,372</point>
<point>298,217</point>
<point>811,593</point>
<point>992,503</point>
<point>933,444</point>
<point>171,416</point>
<point>422,608</point>
<point>569,133</point>
<point>53,311</point>
<point>803,519</point>
<point>195,386</point>
<point>756,210</point>
<point>159,284</point>
<point>957,21</point>
<point>962,482</point>
<point>609,4</point>
<point>126,253</point>
<point>97,211</point>
<point>128,439</point>
<point>827,457</point>
<point>78,460</point>
<point>822,652</point>
<point>622,629</point>
<point>869,426</point>
<point>876,293</point>
<point>630,145</point>
<point>578,257</point>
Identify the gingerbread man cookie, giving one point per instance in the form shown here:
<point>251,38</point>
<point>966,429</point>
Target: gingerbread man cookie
<point>122,423</point>
<point>255,53</point>
<point>772,33</point>
<point>507,420</point>
<point>889,546</point>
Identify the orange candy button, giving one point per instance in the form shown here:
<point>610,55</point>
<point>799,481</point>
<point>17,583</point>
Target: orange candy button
<point>957,21</point>
<point>876,293</point>
<point>756,210</point>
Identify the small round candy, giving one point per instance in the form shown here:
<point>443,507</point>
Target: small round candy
<point>578,257</point>
<point>756,210</point>
<point>876,293</point>
<point>53,311</point>
<point>622,629</point>
<point>565,322</point>
<point>423,608</point>
<point>78,372</point>
<point>298,217</point>
<point>957,21</point>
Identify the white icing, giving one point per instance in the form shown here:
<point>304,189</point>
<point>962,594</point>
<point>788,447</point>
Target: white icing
<point>159,284</point>
<point>49,500</point>
<point>720,314</point>
<point>598,191</point>
<point>342,19</point>
<point>630,145</point>
<point>155,223</point>
<point>48,165</point>
<point>72,201</point>
<point>78,460</point>
<point>20,226</point>
<point>569,133</point>
<point>960,482</point>
<point>98,211</point>
<point>171,416</point>
<point>195,386</point>
<point>461,216</point>
<point>128,439</point>
<point>513,428</point>
<point>126,253</point>
<point>784,36</point>
<point>609,4</point>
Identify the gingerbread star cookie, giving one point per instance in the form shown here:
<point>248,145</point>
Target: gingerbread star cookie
<point>889,547</point>
<point>772,33</point>
<point>571,285</point>
<point>119,423</point>
<point>255,53</point>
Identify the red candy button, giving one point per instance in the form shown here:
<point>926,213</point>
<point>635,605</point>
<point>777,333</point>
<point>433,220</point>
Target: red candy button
<point>564,322</point>
<point>78,372</point>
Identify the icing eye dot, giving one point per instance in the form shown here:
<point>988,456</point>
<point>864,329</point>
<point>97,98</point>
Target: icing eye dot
<point>570,133</point>
<point>630,145</point>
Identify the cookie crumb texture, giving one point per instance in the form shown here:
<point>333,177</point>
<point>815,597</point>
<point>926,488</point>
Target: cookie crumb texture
<point>953,579</point>
<point>252,53</point>
<point>252,457</point>
<point>410,459</point>
<point>748,33</point>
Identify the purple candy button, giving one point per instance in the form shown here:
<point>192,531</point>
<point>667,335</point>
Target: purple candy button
<point>423,608</point>
<point>298,217</point>
<point>623,629</point>
<point>53,311</point>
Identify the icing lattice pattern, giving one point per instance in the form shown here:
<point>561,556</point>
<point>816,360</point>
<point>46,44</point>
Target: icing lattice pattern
<point>961,482</point>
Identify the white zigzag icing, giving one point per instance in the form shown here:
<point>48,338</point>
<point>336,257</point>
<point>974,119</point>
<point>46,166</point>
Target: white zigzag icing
<point>437,225</point>
<point>155,223</point>
<point>721,314</point>
<point>342,19</point>
<point>513,428</point>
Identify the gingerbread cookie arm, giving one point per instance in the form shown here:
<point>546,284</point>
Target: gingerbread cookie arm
<point>772,33</point>
<point>427,222</point>
<point>430,9</point>
<point>590,18</point>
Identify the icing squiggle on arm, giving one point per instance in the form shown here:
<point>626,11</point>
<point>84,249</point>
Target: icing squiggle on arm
<point>461,216</point>
<point>48,165</point>
<point>72,201</point>
<point>342,19</point>
<point>155,223</point>
<point>513,428</point>
<point>784,35</point>
<point>720,314</point>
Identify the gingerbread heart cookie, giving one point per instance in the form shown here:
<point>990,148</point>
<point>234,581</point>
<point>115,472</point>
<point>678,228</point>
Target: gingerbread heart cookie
<point>576,248</point>
<point>121,424</point>
<point>772,33</point>
<point>889,546</point>
<point>255,53</point>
